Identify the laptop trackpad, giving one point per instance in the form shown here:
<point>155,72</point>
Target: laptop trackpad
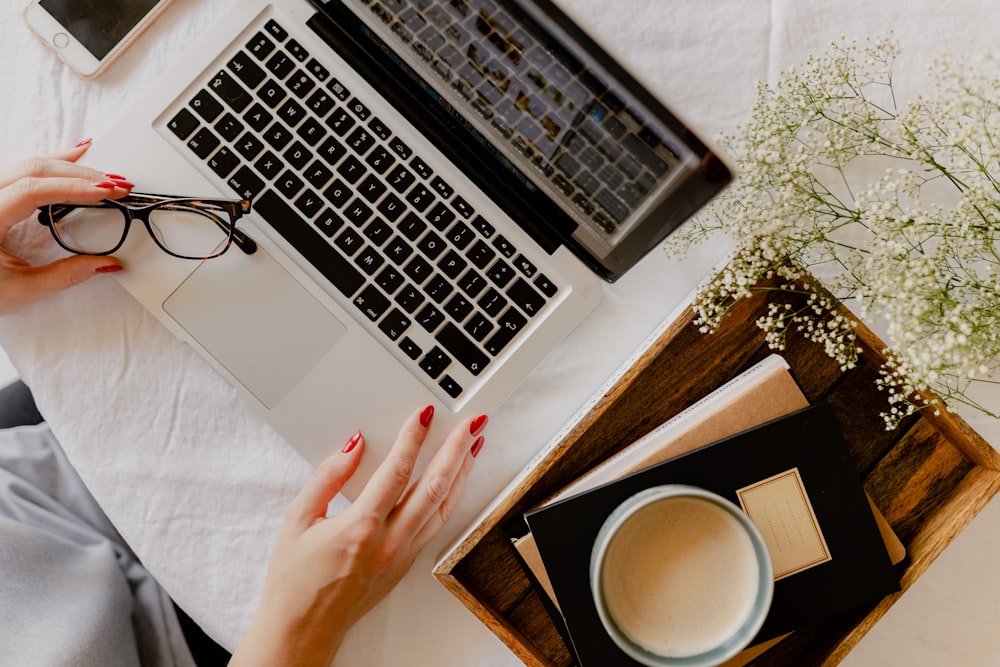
<point>256,320</point>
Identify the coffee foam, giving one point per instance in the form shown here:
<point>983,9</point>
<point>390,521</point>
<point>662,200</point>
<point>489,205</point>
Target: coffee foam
<point>680,576</point>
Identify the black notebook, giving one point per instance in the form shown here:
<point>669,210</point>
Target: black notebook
<point>794,471</point>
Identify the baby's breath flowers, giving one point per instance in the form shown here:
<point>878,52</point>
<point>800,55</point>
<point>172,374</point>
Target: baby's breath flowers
<point>894,209</point>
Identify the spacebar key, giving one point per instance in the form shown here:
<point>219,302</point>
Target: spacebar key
<point>298,232</point>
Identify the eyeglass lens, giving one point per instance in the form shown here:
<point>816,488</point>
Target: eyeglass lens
<point>181,230</point>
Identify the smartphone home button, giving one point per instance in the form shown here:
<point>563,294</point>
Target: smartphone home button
<point>60,40</point>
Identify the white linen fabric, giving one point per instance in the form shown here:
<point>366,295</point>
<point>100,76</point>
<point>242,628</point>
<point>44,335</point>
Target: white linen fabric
<point>197,484</point>
<point>71,590</point>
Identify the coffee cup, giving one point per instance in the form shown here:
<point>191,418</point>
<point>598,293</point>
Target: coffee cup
<point>680,576</point>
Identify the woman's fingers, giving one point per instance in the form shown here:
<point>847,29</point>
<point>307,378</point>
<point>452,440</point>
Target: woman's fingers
<point>62,164</point>
<point>19,200</point>
<point>326,482</point>
<point>429,495</point>
<point>439,518</point>
<point>391,478</point>
<point>23,284</point>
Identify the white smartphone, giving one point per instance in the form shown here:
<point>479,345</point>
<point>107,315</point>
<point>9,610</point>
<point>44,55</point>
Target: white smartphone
<point>88,35</point>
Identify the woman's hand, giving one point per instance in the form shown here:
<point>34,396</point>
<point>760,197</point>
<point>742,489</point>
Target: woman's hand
<point>326,573</point>
<point>49,180</point>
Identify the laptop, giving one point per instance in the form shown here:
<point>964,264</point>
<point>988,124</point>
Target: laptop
<point>440,190</point>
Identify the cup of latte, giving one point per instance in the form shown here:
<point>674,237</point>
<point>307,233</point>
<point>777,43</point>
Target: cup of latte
<point>680,576</point>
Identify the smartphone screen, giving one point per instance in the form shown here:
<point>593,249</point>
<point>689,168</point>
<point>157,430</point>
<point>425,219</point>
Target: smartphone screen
<point>98,25</point>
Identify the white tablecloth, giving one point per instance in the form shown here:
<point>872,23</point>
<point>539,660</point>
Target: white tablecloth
<point>198,484</point>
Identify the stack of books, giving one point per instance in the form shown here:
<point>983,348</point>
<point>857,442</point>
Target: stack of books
<point>756,441</point>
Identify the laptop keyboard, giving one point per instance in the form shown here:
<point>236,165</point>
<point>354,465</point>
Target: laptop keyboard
<point>415,259</point>
<point>558,116</point>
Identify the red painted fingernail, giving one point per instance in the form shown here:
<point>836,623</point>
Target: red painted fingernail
<point>115,177</point>
<point>351,443</point>
<point>105,185</point>
<point>478,424</point>
<point>476,446</point>
<point>426,416</point>
<point>123,183</point>
<point>83,143</point>
<point>110,268</point>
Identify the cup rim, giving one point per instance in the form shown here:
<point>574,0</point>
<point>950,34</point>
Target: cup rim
<point>765,585</point>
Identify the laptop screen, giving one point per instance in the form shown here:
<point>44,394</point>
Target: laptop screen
<point>544,120</point>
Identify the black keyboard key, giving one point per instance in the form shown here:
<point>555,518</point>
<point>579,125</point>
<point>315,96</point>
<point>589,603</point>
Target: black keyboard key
<point>223,162</point>
<point>277,136</point>
<point>378,232</point>
<point>421,168</point>
<point>371,302</point>
<point>391,207</point>
<point>434,362</point>
<point>246,70</point>
<point>298,155</point>
<point>440,216</point>
<point>318,175</point>
<point>478,326</point>
<point>524,265</point>
<point>505,247</point>
<point>329,222</point>
<point>320,103</point>
<point>563,185</point>
<point>431,245</point>
<point>401,179</point>
<point>452,264</point>
<point>420,198</point>
<point>389,279</point>
<point>337,88</point>
<point>442,188</point>
<point>411,226</point>
<point>351,169</point>
<point>318,70</point>
<point>430,318</point>
<point>331,150</point>
<point>526,297</point>
<point>297,51</point>
<point>230,91</point>
<point>183,124</point>
<point>271,94</point>
<point>460,235</point>
<point>360,140</point>
<point>297,232</point>
<point>409,348</point>
<point>338,194</point>
<point>288,183</point>
<point>260,46</point>
<point>398,250</point>
<point>280,65</point>
<point>379,129</point>
<point>510,324</point>
<point>249,146</point>
<point>394,324</point>
<point>458,307</point>
<point>349,241</point>
<point>615,207</point>
<point>309,203</point>
<point>291,112</point>
<point>203,143</point>
<point>500,273</point>
<point>269,165</point>
<point>438,289</point>
<point>276,30</point>
<point>472,283</point>
<point>380,160</point>
<point>246,183</point>
<point>371,188</point>
<point>357,212</point>
<point>311,131</point>
<point>450,386</point>
<point>547,287</point>
<point>418,269</point>
<point>340,122</point>
<point>463,207</point>
<point>480,254</point>
<point>369,260</point>
<point>400,148</point>
<point>482,226</point>
<point>358,108</point>
<point>464,350</point>
<point>410,298</point>
<point>492,302</point>
<point>258,117</point>
<point>206,106</point>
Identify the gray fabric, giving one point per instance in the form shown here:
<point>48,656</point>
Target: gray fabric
<point>71,591</point>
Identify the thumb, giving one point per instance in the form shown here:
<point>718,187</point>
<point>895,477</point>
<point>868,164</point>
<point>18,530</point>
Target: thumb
<point>326,482</point>
<point>26,284</point>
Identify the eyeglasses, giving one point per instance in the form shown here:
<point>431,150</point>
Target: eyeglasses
<point>184,227</point>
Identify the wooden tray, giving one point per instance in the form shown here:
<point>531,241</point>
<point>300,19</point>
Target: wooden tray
<point>929,477</point>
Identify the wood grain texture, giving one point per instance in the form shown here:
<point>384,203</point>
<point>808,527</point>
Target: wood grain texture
<point>929,477</point>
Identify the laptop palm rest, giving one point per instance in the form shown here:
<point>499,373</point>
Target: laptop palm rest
<point>255,320</point>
